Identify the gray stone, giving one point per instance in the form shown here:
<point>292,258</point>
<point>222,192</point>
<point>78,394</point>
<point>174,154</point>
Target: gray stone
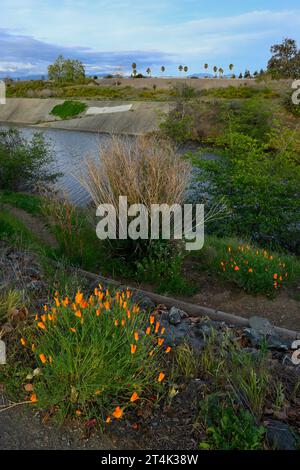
<point>176,315</point>
<point>280,436</point>
<point>261,326</point>
<point>174,335</point>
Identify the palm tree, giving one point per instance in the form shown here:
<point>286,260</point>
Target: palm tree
<point>133,66</point>
<point>180,68</point>
<point>185,69</point>
<point>205,66</point>
<point>162,69</point>
<point>148,71</point>
<point>221,71</point>
<point>231,67</point>
<point>215,70</point>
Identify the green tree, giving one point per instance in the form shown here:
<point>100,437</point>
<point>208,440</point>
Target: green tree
<point>66,70</point>
<point>221,71</point>
<point>231,66</point>
<point>180,68</point>
<point>148,71</point>
<point>215,70</point>
<point>185,69</point>
<point>162,69</point>
<point>285,61</point>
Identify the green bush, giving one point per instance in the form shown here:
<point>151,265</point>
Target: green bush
<point>97,356</point>
<point>233,92</point>
<point>24,163</point>
<point>68,109</point>
<point>162,266</point>
<point>290,106</point>
<point>261,189</point>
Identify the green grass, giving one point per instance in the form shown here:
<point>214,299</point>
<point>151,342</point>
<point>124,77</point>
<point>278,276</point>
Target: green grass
<point>28,202</point>
<point>68,109</point>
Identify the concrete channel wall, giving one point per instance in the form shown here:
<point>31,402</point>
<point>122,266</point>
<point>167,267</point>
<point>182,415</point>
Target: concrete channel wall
<point>143,117</point>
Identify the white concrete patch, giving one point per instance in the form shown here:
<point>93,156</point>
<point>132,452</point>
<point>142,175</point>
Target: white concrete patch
<point>109,109</point>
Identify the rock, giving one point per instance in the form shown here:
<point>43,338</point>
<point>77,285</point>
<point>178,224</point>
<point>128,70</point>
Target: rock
<point>280,436</point>
<point>145,303</point>
<point>174,335</point>
<point>261,326</point>
<point>274,342</point>
<point>176,315</point>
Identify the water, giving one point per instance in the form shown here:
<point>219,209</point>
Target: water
<point>70,148</point>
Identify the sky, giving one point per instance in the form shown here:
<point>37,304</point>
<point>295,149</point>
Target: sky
<point>108,35</point>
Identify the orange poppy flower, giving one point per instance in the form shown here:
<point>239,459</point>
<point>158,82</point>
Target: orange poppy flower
<point>125,304</point>
<point>78,314</point>
<point>108,420</point>
<point>118,413</point>
<point>106,305</point>
<point>73,330</point>
<point>57,302</point>
<point>136,336</point>
<point>50,317</point>
<point>45,308</point>
<point>78,412</point>
<point>162,330</point>
<point>33,398</point>
<point>160,341</point>
<point>123,322</point>
<point>116,322</point>
<point>133,348</point>
<point>148,331</point>
<point>41,325</point>
<point>236,268</point>
<point>43,358</point>
<point>134,397</point>
<point>84,304</point>
<point>136,309</point>
<point>78,297</point>
<point>98,312</point>
<point>128,314</point>
<point>157,327</point>
<point>168,349</point>
<point>23,341</point>
<point>151,320</point>
<point>161,377</point>
<point>250,270</point>
<point>43,318</point>
<point>275,276</point>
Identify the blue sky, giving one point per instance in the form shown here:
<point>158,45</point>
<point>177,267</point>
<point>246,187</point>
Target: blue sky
<point>107,34</point>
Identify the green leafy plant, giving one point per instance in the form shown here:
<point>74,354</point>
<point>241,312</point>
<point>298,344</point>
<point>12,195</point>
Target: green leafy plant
<point>68,109</point>
<point>231,428</point>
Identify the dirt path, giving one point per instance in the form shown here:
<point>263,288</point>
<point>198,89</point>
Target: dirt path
<point>23,429</point>
<point>35,224</point>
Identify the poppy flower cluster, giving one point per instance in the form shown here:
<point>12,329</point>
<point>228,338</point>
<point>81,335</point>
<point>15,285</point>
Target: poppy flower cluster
<point>131,339</point>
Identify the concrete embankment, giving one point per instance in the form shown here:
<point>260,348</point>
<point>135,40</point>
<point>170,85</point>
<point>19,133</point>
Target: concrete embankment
<point>143,117</point>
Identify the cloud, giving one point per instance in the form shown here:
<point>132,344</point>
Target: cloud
<point>38,55</point>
